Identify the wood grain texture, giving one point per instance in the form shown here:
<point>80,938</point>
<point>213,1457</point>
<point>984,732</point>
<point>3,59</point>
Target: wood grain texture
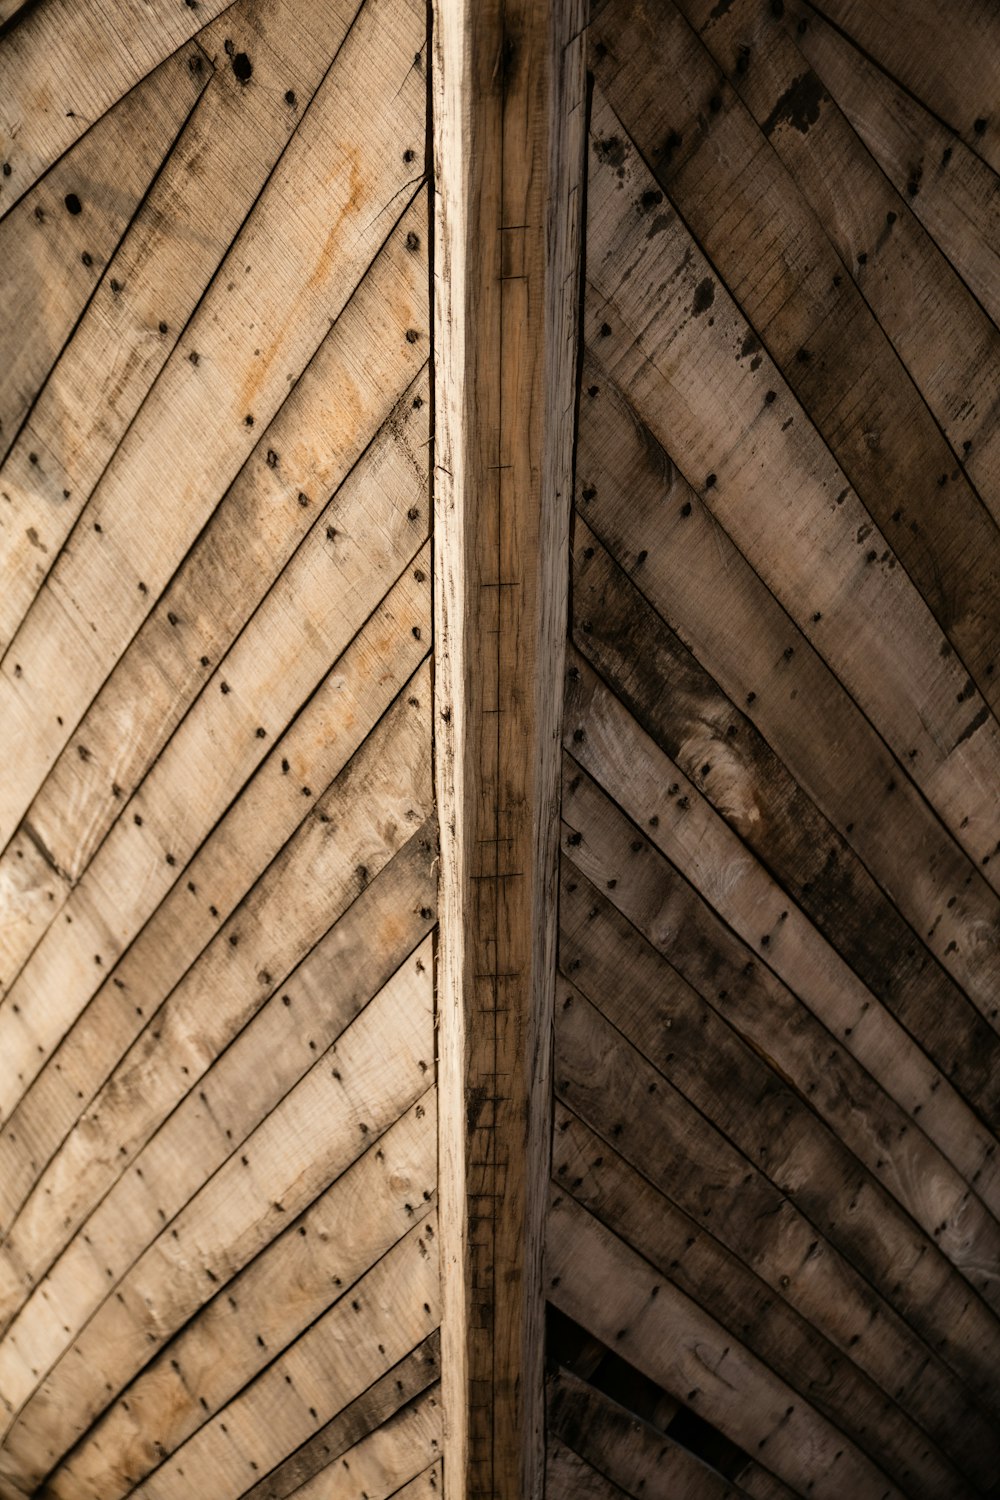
<point>312,233</point>
<point>508,105</point>
<point>151,285</point>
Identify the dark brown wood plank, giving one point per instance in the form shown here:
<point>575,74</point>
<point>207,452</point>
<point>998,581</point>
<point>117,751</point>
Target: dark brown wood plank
<point>644,1117</point>
<point>712,912</point>
<point>684,561</point>
<point>683,1250</point>
<point>742,202</point>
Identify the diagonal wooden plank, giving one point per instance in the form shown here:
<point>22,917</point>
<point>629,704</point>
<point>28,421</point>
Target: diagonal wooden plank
<point>643,1461</point>
<point>164,1264</point>
<point>589,1169</point>
<point>767,477</point>
<point>620,1297</point>
<point>757,1045</point>
<point>368,1411</point>
<point>309,1265</point>
<point>67,62</point>
<point>824,1024</point>
<point>347,705</point>
<point>398,1459</point>
<point>153,282</point>
<point>945,57</point>
<point>955,195</point>
<point>642,1116</point>
<point>570,1477</point>
<point>683,709</point>
<point>314,230</point>
<point>54,248</point>
<point>952,350</point>
<point>343,567</point>
<point>683,559</point>
<point>372,807</point>
<point>741,202</point>
<point>249,539</point>
<point>392,1309</point>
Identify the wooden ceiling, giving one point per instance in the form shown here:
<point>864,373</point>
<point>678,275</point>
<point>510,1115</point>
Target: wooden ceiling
<point>317,312</point>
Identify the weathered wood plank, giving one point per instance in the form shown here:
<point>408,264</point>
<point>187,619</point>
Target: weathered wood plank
<point>682,558</point>
<point>354,830</point>
<point>956,192</point>
<point>845,1040</point>
<point>355,1221</point>
<point>759,232</point>
<point>399,1459</point>
<point>619,1295</point>
<point>678,703</point>
<point>344,709</point>
<point>341,401</point>
<point>946,57</point>
<point>643,1117</point>
<point>775,488</point>
<point>67,62</point>
<point>570,1477</point>
<point>939,330</point>
<point>195,1228</point>
<point>391,1310</point>
<point>152,283</point>
<point>374,1406</point>
<point>585,1166</point>
<point>760,1070</point>
<point>509,144</point>
<point>54,248</point>
<point>643,1461</point>
<point>326,593</point>
<point>313,232</point>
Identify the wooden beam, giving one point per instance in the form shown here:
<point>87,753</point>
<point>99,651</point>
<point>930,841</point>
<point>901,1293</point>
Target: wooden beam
<point>509,119</point>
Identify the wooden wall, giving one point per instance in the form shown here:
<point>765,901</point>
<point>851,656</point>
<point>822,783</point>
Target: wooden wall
<point>218,1273</point>
<point>775,1214</point>
<point>284,281</point>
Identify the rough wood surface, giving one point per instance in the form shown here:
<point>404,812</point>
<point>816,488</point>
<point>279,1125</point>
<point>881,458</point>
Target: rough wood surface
<point>508,106</point>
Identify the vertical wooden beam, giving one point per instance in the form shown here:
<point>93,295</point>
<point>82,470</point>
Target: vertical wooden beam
<point>509,119</point>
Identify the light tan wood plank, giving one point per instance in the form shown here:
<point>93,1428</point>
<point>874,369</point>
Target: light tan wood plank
<point>370,811</point>
<point>151,285</point>
<point>347,705</point>
<point>309,1265</point>
<point>899,1096</point>
<point>316,227</point>
<point>335,409</point>
<point>644,1118</point>
<point>775,489</point>
<point>585,1166</point>
<point>374,1406</point>
<point>203,1220</point>
<point>621,1297</point>
<point>641,506</point>
<point>642,1460</point>
<point>69,61</point>
<point>509,106</point>
<point>392,1460</point>
<point>393,1308</point>
<point>325,594</point>
<point>54,249</point>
